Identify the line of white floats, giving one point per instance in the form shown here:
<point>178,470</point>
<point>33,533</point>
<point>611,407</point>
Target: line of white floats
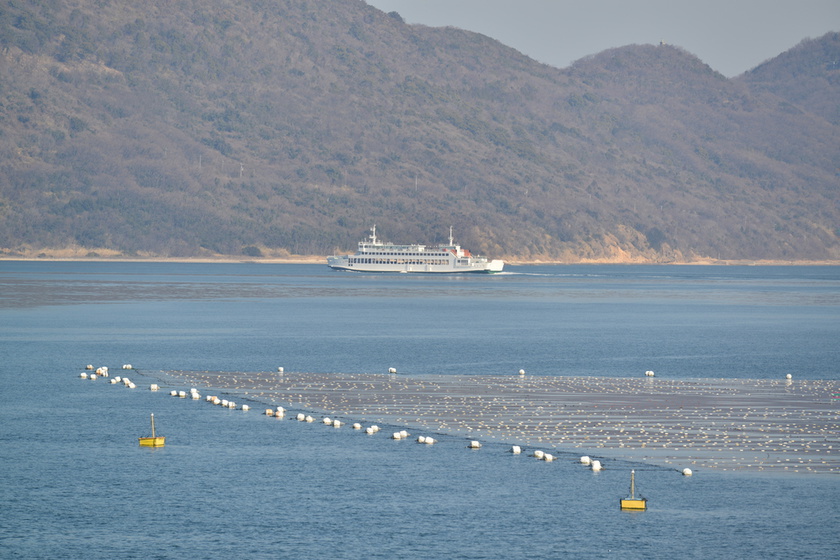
<point>280,412</point>
<point>593,464</point>
<point>103,372</point>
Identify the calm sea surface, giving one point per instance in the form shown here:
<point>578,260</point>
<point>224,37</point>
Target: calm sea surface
<point>76,485</point>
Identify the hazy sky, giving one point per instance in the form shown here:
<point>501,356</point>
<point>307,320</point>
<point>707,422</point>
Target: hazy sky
<point>731,36</point>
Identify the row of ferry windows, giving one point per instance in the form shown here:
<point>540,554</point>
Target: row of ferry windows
<point>412,254</point>
<point>361,260</point>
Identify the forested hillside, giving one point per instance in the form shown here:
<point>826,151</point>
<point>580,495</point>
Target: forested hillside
<point>272,127</point>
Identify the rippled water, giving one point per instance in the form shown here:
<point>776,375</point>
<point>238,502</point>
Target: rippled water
<point>76,484</point>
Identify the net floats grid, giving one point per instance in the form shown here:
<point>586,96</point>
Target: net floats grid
<point>722,424</point>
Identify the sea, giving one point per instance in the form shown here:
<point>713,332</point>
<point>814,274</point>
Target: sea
<point>228,483</point>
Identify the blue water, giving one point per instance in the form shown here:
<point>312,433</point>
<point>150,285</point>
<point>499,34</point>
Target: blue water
<point>76,485</point>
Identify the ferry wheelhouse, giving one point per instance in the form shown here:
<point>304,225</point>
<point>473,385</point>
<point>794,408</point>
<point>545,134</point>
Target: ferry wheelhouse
<point>375,256</point>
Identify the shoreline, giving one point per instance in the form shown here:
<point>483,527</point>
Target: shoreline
<point>317,259</point>
<point>738,425</point>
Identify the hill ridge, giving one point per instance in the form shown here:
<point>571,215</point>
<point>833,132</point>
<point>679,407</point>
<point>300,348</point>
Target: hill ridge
<point>190,129</point>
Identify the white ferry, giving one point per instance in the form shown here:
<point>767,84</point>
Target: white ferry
<point>375,256</point>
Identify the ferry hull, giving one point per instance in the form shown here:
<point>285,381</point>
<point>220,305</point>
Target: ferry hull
<point>415,269</point>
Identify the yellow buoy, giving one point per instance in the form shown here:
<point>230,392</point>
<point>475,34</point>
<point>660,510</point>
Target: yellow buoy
<point>153,441</point>
<point>633,502</point>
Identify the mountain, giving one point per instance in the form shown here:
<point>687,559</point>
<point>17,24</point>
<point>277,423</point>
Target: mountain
<point>807,77</point>
<point>275,127</point>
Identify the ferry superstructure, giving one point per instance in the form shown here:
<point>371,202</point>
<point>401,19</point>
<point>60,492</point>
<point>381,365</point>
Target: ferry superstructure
<point>375,256</point>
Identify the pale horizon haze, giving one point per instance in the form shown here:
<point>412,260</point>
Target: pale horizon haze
<point>730,36</point>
